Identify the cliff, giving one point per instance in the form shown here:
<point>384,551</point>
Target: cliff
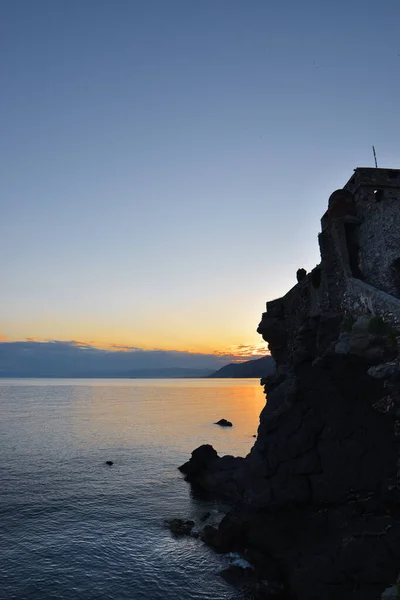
<point>316,503</point>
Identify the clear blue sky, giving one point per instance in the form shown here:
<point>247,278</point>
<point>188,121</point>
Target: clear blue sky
<point>165,163</point>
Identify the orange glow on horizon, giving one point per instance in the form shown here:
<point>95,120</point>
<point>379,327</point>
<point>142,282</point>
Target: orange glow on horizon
<point>194,328</point>
<point>242,352</point>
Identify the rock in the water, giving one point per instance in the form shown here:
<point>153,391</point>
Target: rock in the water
<point>180,526</point>
<point>200,460</point>
<point>109,463</point>
<point>223,423</point>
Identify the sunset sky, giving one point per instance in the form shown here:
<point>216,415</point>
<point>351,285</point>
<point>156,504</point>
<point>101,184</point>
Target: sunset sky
<point>165,163</point>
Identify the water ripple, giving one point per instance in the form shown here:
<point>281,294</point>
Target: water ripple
<point>72,528</point>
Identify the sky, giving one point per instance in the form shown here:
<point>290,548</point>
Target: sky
<point>164,164</point>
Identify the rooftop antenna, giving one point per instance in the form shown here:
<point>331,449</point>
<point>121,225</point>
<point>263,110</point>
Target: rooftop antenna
<point>373,150</point>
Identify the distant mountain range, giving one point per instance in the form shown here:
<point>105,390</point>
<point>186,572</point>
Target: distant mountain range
<point>260,367</point>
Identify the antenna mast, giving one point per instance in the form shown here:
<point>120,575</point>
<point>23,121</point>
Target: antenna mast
<point>373,150</point>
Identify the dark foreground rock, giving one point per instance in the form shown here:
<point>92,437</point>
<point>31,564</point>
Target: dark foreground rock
<point>223,423</point>
<point>316,503</point>
<point>207,471</point>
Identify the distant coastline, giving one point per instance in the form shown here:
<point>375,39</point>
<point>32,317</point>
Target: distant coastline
<point>255,368</point>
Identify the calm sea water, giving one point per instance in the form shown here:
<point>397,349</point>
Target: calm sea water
<point>72,527</point>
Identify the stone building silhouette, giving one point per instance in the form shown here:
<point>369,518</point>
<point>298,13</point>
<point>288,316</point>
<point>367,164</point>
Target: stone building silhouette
<point>359,272</point>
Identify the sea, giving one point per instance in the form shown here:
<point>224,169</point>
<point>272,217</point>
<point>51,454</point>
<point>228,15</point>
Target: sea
<point>72,527</point>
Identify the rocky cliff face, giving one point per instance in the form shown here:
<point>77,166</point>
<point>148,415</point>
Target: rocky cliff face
<point>317,500</point>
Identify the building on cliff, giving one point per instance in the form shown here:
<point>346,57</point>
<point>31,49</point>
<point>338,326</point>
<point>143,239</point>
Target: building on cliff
<point>359,272</point>
<point>316,502</point>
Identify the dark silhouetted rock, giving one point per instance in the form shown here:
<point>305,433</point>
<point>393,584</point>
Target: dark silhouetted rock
<point>109,463</point>
<point>318,491</point>
<point>180,526</point>
<point>223,423</point>
<point>200,460</point>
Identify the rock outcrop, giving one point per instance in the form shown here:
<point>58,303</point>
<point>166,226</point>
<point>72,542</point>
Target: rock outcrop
<point>317,500</point>
<point>316,503</point>
<point>223,423</point>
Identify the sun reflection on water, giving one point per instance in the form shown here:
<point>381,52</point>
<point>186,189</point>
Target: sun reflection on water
<point>179,414</point>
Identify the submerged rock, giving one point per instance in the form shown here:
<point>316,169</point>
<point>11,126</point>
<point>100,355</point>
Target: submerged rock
<point>223,423</point>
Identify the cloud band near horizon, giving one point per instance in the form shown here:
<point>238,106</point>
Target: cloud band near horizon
<point>76,358</point>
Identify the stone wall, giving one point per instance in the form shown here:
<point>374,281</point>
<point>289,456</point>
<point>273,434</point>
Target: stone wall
<point>367,177</point>
<point>359,244</point>
<point>376,195</point>
<point>363,299</point>
<point>379,241</point>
